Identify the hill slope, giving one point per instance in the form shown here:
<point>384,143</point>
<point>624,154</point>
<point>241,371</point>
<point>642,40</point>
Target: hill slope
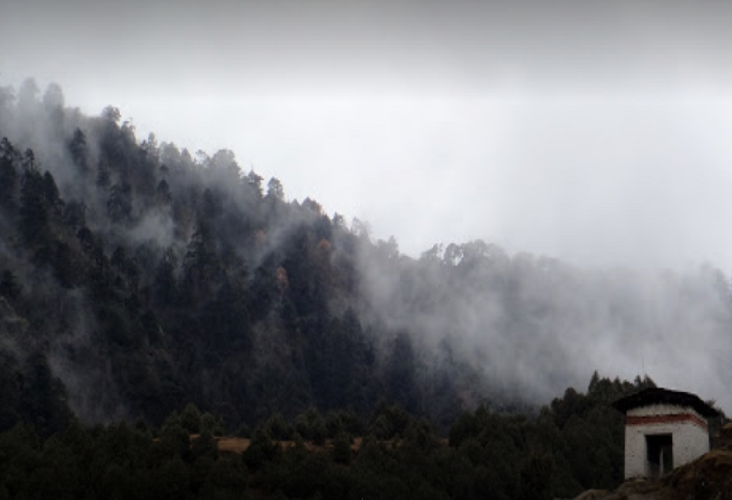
<point>707,478</point>
<point>135,277</point>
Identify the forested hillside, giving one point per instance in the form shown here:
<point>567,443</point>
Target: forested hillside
<point>137,277</point>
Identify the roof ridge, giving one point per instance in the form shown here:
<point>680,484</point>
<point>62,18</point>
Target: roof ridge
<point>659,395</point>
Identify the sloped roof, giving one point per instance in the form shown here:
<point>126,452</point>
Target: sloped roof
<point>657,395</point>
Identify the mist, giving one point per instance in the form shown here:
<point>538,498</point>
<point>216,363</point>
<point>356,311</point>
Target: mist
<point>543,127</point>
<point>621,294</point>
<point>535,325</point>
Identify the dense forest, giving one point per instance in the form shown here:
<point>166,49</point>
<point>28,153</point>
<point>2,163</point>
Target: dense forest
<point>575,443</point>
<point>137,278</point>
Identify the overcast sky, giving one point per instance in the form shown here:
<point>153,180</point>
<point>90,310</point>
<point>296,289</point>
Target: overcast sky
<point>599,132</point>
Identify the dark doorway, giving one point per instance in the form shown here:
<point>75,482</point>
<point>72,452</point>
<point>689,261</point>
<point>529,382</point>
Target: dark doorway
<point>660,454</point>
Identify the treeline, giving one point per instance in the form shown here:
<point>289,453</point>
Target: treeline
<point>575,443</point>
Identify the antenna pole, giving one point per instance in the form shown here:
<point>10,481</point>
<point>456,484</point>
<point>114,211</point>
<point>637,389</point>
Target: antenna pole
<point>643,363</point>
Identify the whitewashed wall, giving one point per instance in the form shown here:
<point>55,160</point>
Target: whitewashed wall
<point>690,441</point>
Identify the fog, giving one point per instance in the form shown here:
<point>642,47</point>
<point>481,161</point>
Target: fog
<point>596,134</point>
<point>534,325</point>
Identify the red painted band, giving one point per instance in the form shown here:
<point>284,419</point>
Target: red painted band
<point>666,419</point>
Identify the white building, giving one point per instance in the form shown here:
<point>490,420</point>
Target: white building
<point>663,429</point>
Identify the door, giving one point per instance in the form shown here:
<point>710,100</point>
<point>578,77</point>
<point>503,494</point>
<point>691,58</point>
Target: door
<point>659,454</point>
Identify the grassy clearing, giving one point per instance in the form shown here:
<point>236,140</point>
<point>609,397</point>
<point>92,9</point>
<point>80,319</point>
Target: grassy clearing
<point>230,444</point>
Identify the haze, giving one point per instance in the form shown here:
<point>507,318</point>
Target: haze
<point>595,132</point>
